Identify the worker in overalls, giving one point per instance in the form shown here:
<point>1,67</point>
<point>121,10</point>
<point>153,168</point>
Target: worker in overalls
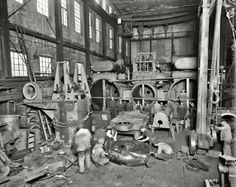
<point>164,151</point>
<point>138,107</point>
<point>129,106</point>
<point>181,114</point>
<point>147,135</point>
<point>82,145</point>
<point>112,107</point>
<point>193,113</point>
<point>226,137</point>
<point>98,153</point>
<point>120,106</point>
<point>156,108</point>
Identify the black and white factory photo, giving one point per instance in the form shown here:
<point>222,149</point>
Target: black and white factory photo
<point>117,93</point>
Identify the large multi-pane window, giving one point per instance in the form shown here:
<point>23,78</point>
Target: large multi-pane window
<point>90,25</point>
<point>42,7</point>
<point>18,67</point>
<point>19,1</point>
<point>45,66</point>
<point>64,12</point>
<point>110,38</point>
<point>77,17</point>
<point>98,30</point>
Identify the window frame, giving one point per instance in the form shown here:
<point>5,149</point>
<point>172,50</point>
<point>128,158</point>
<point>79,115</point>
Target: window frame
<point>45,67</point>
<point>18,69</point>
<point>20,1</point>
<point>98,29</point>
<point>90,26</point>
<point>43,7</point>
<point>64,13</point>
<point>111,37</point>
<point>77,14</point>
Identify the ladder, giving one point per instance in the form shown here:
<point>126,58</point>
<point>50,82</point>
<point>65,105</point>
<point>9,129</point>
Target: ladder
<point>42,117</point>
<point>26,57</point>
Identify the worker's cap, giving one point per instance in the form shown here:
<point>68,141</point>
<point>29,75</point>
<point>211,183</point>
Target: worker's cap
<point>223,121</point>
<point>101,140</point>
<point>142,128</point>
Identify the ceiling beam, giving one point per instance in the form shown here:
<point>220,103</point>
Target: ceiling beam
<point>159,12</point>
<point>160,17</point>
<point>171,20</point>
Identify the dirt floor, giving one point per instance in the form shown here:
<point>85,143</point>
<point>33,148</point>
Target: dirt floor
<point>162,174</point>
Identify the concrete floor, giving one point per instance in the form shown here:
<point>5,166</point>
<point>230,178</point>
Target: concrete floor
<point>162,174</point>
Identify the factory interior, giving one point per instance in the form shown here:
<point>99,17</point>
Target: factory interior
<point>117,93</point>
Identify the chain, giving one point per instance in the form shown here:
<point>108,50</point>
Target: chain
<point>72,124</point>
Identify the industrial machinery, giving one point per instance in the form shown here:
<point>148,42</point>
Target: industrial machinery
<point>148,81</point>
<point>129,123</point>
<point>130,153</point>
<point>63,107</point>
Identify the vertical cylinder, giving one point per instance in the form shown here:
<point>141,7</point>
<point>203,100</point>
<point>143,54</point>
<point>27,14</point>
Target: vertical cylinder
<point>104,94</point>
<point>201,127</point>
<point>187,93</point>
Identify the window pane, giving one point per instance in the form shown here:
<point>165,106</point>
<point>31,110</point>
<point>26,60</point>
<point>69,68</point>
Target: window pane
<point>20,1</point>
<point>18,66</point>
<point>77,17</point>
<point>45,66</point>
<point>90,26</point>
<point>64,13</point>
<point>42,7</point>
<point>97,30</point>
<point>110,38</point>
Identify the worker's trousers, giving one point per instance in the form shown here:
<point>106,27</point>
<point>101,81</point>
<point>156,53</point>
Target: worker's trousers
<point>84,160</point>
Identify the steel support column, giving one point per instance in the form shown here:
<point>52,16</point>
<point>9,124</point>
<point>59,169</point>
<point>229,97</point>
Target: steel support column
<point>87,64</point>
<point>201,126</point>
<point>5,61</point>
<point>59,30</point>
